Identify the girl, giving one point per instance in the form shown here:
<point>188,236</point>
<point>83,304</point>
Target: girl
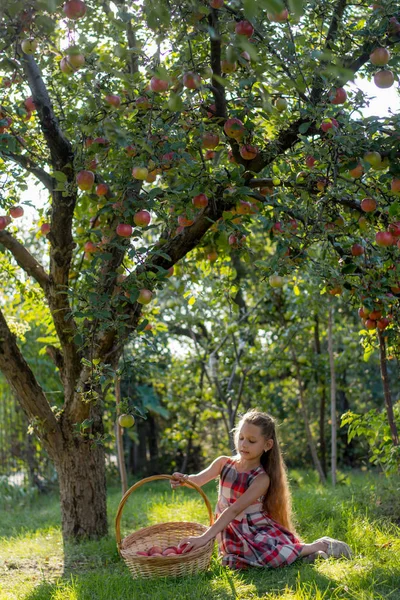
<point>253,525</point>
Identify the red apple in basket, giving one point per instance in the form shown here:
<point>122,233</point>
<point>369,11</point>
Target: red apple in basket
<point>141,553</point>
<point>154,551</point>
<point>170,550</point>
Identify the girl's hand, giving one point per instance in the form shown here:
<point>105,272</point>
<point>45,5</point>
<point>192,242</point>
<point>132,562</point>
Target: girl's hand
<point>178,480</point>
<point>193,542</point>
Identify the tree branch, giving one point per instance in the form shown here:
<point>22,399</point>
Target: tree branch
<point>218,89</point>
<point>25,260</point>
<point>59,146</point>
<point>25,162</point>
<point>23,382</point>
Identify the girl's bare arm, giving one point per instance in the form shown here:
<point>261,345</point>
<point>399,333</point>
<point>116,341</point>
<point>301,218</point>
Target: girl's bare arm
<point>208,474</point>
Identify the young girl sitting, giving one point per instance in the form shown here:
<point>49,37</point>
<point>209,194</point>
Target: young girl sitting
<point>253,525</point>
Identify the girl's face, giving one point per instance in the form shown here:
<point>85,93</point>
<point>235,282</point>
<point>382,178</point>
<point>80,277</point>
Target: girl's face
<point>251,442</point>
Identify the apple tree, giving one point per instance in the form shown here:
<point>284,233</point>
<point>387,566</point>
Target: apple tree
<point>156,127</point>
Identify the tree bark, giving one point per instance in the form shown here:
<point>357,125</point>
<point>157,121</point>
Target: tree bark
<point>333,399</point>
<point>322,403</point>
<point>386,389</point>
<point>82,480</point>
<point>303,408</point>
<point>119,438</point>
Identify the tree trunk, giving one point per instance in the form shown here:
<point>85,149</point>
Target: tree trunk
<point>82,480</point>
<point>152,440</point>
<point>303,408</point>
<point>386,390</point>
<point>333,398</point>
<point>320,378</point>
<point>119,438</point>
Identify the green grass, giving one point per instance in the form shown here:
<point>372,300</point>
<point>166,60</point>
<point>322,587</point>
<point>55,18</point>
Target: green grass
<point>364,511</point>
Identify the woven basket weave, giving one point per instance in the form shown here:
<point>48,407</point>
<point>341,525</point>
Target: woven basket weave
<point>164,535</point>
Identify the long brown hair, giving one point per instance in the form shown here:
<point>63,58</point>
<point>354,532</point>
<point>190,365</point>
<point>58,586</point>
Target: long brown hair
<point>277,501</point>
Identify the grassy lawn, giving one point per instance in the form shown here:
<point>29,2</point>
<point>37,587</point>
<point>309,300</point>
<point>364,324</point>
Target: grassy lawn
<point>364,511</point>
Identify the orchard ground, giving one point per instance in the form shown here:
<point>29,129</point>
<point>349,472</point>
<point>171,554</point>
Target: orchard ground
<point>364,510</point>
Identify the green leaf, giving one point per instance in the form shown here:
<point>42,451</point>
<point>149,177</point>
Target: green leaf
<point>304,127</point>
<point>349,269</point>
<point>175,103</point>
<point>60,176</point>
<point>394,209</point>
<point>142,325</point>
<point>296,8</point>
<point>250,9</point>
<point>273,6</point>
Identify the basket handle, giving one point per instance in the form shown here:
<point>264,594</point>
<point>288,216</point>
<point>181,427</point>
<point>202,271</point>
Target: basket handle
<point>147,480</point>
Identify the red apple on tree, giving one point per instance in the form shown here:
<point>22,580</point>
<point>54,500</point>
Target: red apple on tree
<point>85,180</point>
<point>145,296</point>
<point>357,250</point>
<point>143,103</point>
<point>328,124</point>
<point>65,67</point>
<point>200,201</point>
<point>74,9</point>
<point>191,80</point>
<point>45,228</point>
<point>368,205</point>
<point>183,221</point>
<point>248,152</point>
<point>394,229</point>
<point>210,140</point>
<point>16,211</point>
<point>370,324</point>
<point>227,66</point>
<point>76,60</point>
<point>4,221</point>
<point>310,161</point>
<point>384,79</point>
<point>384,239</point>
<point>234,128</point>
<point>131,150</point>
<point>338,96</point>
<point>395,185</point>
<point>357,171</point>
<point>244,28</point>
<point>158,85</point>
<point>142,218</point>
<point>29,104</point>
<point>379,57</point>
<point>244,208</point>
<point>382,323</point>
<point>90,247</point>
<point>216,3</point>
<point>124,230</point>
<point>113,100</point>
<point>102,189</point>
<point>280,17</point>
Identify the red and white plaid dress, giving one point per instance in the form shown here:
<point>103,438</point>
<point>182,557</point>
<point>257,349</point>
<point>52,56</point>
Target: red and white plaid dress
<point>252,539</point>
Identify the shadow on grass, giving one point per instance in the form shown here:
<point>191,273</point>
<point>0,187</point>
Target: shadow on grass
<point>114,582</point>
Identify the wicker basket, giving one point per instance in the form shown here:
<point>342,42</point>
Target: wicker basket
<point>164,535</point>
